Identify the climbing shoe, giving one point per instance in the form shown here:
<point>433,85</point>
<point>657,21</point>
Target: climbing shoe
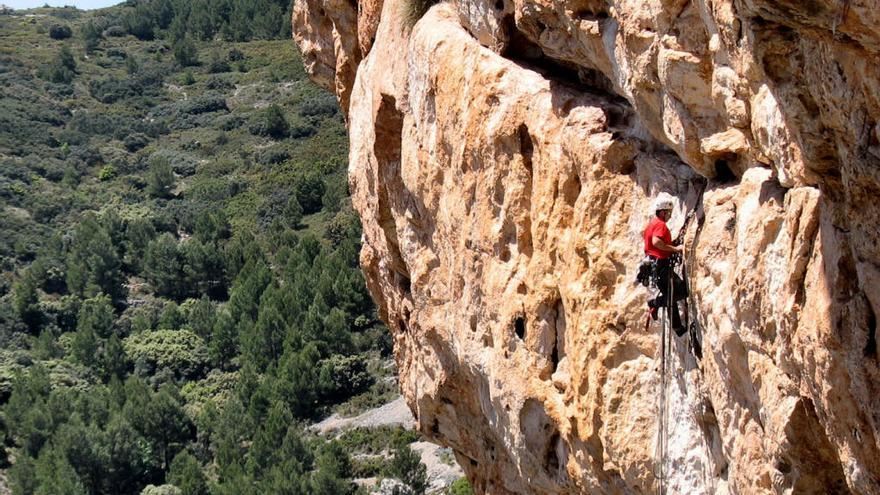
<point>652,313</point>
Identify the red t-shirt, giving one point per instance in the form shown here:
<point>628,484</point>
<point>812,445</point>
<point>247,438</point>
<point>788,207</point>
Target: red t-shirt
<point>658,228</point>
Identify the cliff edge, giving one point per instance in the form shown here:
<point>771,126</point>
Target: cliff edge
<point>504,156</point>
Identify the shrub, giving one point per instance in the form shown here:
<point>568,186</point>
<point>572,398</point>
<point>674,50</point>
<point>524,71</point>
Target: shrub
<point>107,172</point>
<point>230,123</point>
<point>460,487</point>
<point>323,104</point>
<point>272,156</point>
<point>217,65</point>
<point>218,83</point>
<point>180,351</point>
<point>185,53</point>
<point>407,466</point>
<point>216,387</point>
<point>310,191</point>
<point>271,123</point>
<point>187,79</point>
<point>206,103</point>
<point>160,180</point>
<point>60,32</point>
<point>235,55</point>
<point>135,142</point>
<point>182,163</point>
<point>300,129</point>
<point>111,89</point>
<point>62,70</point>
<point>344,376</point>
<point>161,490</point>
<point>114,32</point>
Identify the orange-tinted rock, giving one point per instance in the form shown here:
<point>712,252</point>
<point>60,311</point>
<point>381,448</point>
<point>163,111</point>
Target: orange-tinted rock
<point>504,156</point>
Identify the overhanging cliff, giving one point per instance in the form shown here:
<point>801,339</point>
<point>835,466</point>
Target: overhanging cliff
<point>503,158</point>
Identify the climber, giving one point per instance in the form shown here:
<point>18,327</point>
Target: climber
<point>660,249</point>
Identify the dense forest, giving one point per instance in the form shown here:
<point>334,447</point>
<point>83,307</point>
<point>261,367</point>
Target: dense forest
<point>180,294</point>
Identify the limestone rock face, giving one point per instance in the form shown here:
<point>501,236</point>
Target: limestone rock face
<point>504,156</point>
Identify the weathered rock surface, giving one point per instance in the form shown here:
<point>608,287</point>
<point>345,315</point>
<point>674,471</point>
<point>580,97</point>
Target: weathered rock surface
<point>503,158</point>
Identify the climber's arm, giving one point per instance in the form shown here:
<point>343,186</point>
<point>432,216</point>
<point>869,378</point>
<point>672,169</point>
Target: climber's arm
<point>658,243</point>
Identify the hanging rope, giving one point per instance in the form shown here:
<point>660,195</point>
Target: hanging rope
<point>662,449</point>
<point>660,454</point>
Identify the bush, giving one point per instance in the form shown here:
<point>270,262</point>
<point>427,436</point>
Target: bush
<point>114,32</point>
<point>230,123</point>
<point>160,180</point>
<point>271,123</point>
<point>180,351</point>
<point>272,156</point>
<point>460,487</point>
<point>310,191</point>
<point>206,103</point>
<point>161,490</point>
<point>323,104</point>
<point>107,172</point>
<point>217,65</point>
<point>185,53</point>
<point>187,79</point>
<point>62,70</point>
<point>344,376</point>
<point>135,142</point>
<point>301,130</point>
<point>111,89</point>
<point>407,466</point>
<point>60,32</point>
<point>235,55</point>
<point>218,83</point>
<point>182,163</point>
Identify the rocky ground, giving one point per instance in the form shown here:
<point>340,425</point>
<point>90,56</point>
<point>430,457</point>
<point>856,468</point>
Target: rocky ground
<point>441,467</point>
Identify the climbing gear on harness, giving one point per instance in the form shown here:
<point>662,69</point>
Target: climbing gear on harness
<point>645,272</point>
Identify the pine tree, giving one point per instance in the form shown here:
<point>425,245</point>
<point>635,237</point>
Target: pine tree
<point>185,53</point>
<point>332,471</point>
<point>94,323</point>
<point>161,420</point>
<point>201,318</point>
<point>128,460</point>
<point>163,266</point>
<point>267,442</point>
<point>114,361</point>
<point>96,316</point>
<point>138,234</point>
<point>407,466</point>
<point>25,301</point>
<point>55,475</point>
<point>160,180</point>
<point>298,380</point>
<point>186,474</point>
<point>93,264</point>
<point>224,341</point>
<point>247,290</point>
<point>172,318</point>
<point>262,344</point>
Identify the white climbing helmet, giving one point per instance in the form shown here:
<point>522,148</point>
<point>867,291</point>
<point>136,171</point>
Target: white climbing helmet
<point>663,202</point>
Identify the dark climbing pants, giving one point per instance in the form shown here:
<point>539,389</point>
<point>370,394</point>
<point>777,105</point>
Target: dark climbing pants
<point>663,271</point>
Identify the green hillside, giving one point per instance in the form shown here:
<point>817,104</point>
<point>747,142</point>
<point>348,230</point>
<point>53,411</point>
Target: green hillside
<point>180,295</point>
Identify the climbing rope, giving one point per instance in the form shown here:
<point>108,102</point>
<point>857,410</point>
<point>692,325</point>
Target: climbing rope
<point>694,345</point>
<point>660,453</point>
